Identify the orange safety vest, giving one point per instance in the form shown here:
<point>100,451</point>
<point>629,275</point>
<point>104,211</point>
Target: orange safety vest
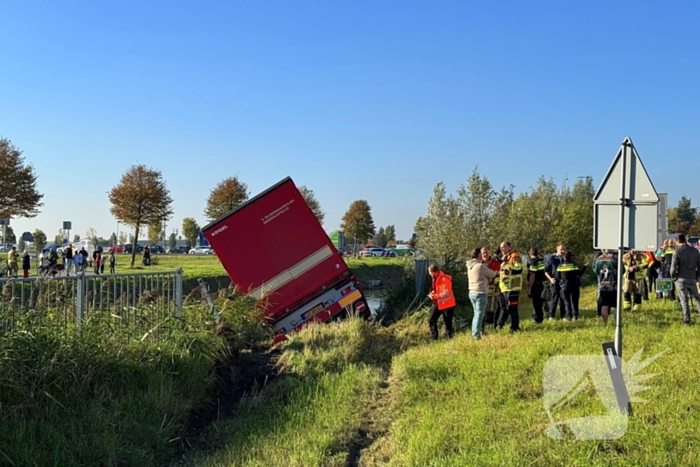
<point>442,289</point>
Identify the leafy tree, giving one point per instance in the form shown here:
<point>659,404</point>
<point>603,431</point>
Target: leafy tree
<point>390,233</point>
<point>141,198</point>
<point>39,239</point>
<point>155,233</point>
<point>537,213</point>
<point>357,222</point>
<point>575,224</point>
<point>190,229</point>
<point>227,195</point>
<point>476,201</point>
<point>91,235</point>
<point>501,222</point>
<point>58,239</point>
<point>380,239</point>
<point>113,239</point>
<point>313,203</point>
<point>76,238</point>
<point>440,232</point>
<point>122,238</point>
<point>21,245</point>
<point>19,196</point>
<point>682,217</point>
<point>172,240</point>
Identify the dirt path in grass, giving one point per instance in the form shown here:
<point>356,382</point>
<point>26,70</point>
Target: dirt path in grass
<point>241,375</point>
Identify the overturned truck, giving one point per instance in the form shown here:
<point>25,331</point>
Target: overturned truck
<point>275,250</point>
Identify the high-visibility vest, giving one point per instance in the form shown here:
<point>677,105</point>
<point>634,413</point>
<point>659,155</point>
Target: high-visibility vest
<point>511,273</point>
<point>668,254</point>
<point>537,266</point>
<point>442,287</point>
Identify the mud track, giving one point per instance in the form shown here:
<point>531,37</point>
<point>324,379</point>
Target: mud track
<point>241,375</point>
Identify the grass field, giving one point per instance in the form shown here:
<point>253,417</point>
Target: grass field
<point>359,394</point>
<point>349,393</point>
<point>209,268</point>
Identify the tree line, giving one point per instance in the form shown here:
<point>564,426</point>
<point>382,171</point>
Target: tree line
<point>476,215</point>
<point>684,218</point>
<point>480,215</point>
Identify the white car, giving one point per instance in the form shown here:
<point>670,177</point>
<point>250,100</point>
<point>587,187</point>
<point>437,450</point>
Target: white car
<point>201,250</point>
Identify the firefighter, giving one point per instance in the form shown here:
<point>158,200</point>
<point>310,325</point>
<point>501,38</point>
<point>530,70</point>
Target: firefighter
<point>668,252</point>
<point>568,277</point>
<point>443,301</point>
<point>535,284</point>
<point>492,300</point>
<point>635,269</point>
<point>550,269</point>
<point>510,282</point>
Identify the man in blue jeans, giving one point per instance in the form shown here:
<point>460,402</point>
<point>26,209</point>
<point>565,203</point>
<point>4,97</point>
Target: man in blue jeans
<point>479,277</point>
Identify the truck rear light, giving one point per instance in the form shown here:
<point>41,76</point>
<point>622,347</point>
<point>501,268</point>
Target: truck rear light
<point>345,291</point>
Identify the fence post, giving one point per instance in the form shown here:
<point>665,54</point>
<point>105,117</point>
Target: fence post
<point>79,299</point>
<point>178,293</point>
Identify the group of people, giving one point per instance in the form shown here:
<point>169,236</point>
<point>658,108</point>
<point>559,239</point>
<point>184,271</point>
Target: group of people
<point>675,260</point>
<point>495,284</point>
<point>12,269</point>
<point>79,259</point>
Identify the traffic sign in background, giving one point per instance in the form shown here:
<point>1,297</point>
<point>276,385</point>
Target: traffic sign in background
<point>641,216</point>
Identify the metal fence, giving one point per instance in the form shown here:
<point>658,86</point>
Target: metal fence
<point>132,305</point>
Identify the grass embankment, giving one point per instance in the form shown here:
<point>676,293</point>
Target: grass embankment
<point>101,399</point>
<point>360,394</point>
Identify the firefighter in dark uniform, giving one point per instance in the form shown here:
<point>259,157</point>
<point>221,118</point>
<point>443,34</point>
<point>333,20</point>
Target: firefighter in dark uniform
<point>668,252</point>
<point>535,284</point>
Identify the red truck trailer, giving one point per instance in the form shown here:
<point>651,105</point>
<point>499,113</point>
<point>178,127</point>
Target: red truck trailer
<point>274,249</point>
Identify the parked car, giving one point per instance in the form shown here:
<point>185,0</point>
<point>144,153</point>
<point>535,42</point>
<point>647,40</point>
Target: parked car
<point>376,251</point>
<point>157,249</point>
<point>129,248</point>
<point>201,250</point>
<point>179,250</point>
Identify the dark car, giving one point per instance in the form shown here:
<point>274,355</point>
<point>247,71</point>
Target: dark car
<point>179,250</point>
<point>158,249</point>
<point>129,248</point>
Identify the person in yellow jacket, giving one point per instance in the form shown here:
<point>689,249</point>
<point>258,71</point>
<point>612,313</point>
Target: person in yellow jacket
<point>443,301</point>
<point>12,262</point>
<point>635,264</point>
<point>511,282</point>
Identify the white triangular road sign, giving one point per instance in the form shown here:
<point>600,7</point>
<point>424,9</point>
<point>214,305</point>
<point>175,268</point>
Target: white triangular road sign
<point>638,186</point>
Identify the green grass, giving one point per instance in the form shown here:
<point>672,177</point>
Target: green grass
<point>99,399</point>
<point>461,402</point>
<point>208,267</point>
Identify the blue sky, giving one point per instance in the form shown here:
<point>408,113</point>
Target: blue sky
<point>356,100</point>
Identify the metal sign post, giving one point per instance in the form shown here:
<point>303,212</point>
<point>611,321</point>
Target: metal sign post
<point>625,216</point>
<point>67,226</point>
